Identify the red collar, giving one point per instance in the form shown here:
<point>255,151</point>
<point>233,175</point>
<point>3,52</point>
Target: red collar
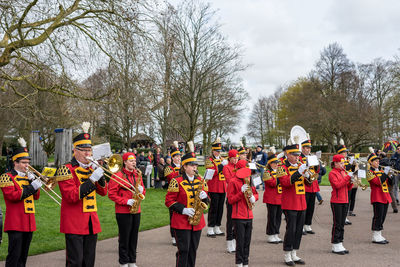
<point>129,173</point>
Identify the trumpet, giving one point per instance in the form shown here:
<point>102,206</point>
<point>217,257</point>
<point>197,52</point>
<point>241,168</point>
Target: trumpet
<point>114,164</point>
<point>392,170</point>
<point>48,183</point>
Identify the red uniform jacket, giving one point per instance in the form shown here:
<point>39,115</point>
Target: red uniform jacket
<point>73,218</point>
<point>171,172</point>
<point>237,199</point>
<point>273,189</point>
<point>314,187</point>
<point>379,190</point>
<point>180,195</point>
<point>293,191</point>
<point>340,182</point>
<point>218,182</point>
<point>229,171</point>
<point>119,194</point>
<point>16,217</point>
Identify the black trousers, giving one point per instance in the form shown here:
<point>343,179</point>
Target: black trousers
<point>243,230</point>
<point>274,219</point>
<point>339,212</point>
<point>352,198</point>
<point>81,250</point>
<point>294,229</point>
<point>187,242</point>
<point>171,230</point>
<point>216,209</point>
<point>128,228</point>
<point>18,248</point>
<point>310,200</point>
<point>230,234</point>
<point>1,226</point>
<point>380,211</point>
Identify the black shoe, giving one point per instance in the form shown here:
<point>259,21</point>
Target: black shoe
<point>301,262</point>
<point>348,223</point>
<point>351,213</point>
<point>212,236</point>
<point>346,252</point>
<point>221,234</point>
<point>304,232</point>
<point>339,252</point>
<point>310,232</point>
<point>320,202</point>
<point>384,242</point>
<point>395,211</point>
<point>289,263</point>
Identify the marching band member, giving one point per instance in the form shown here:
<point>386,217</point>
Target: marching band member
<point>128,223</point>
<point>380,197</point>
<point>229,171</point>
<point>242,215</point>
<point>20,190</point>
<point>242,152</point>
<point>294,205</point>
<point>79,181</point>
<point>348,165</point>
<point>273,198</point>
<point>171,172</point>
<point>216,190</point>
<point>341,183</point>
<point>311,189</point>
<point>180,198</point>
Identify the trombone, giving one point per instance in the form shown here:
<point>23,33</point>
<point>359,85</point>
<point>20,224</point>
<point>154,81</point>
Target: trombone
<point>114,163</point>
<point>48,183</point>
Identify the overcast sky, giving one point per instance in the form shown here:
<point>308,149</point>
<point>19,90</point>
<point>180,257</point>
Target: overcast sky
<point>282,39</point>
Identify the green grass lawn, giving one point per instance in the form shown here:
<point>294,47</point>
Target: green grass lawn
<point>48,237</point>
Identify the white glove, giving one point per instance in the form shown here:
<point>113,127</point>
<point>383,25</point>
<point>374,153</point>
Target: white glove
<point>140,189</point>
<point>351,160</point>
<point>96,175</point>
<point>252,199</point>
<point>93,165</point>
<point>130,202</point>
<point>37,184</point>
<point>386,170</point>
<point>31,176</point>
<point>244,187</point>
<point>224,162</point>
<point>188,211</point>
<point>203,195</point>
<point>306,174</point>
<point>350,174</point>
<point>302,168</point>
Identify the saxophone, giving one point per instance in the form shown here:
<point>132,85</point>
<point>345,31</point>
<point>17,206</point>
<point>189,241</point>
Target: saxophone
<point>248,193</point>
<point>137,196</point>
<point>198,205</point>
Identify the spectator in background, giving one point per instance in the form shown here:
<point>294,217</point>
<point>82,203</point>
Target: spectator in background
<point>322,172</point>
<point>158,180</point>
<point>142,157</point>
<point>249,154</point>
<point>261,160</point>
<point>396,165</point>
<point>168,161</point>
<point>157,158</point>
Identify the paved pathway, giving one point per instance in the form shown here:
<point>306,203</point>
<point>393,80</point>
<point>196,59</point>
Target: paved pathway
<point>155,249</point>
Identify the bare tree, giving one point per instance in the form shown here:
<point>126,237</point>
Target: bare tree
<point>37,34</point>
